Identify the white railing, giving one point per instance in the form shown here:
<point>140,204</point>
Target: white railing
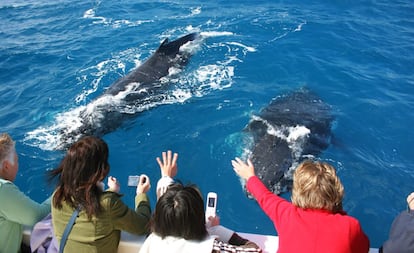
<point>132,243</point>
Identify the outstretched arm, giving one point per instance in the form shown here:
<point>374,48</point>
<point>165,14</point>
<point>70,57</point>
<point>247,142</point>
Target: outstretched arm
<point>273,205</point>
<point>18,207</point>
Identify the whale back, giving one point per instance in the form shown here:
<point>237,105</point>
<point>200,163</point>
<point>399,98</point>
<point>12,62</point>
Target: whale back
<point>291,128</point>
<point>167,56</point>
<point>141,89</point>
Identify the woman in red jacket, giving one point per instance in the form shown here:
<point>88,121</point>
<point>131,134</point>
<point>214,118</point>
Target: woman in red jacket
<point>315,220</point>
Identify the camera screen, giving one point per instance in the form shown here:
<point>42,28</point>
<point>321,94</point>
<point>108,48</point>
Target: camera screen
<point>211,202</point>
<point>133,180</point>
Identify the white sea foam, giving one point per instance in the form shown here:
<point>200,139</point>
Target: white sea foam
<point>295,136</point>
<point>195,11</point>
<point>90,14</point>
<point>215,34</point>
<point>249,49</point>
<point>299,28</point>
<point>297,132</point>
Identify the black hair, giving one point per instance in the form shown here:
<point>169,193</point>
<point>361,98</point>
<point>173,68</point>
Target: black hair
<point>180,213</point>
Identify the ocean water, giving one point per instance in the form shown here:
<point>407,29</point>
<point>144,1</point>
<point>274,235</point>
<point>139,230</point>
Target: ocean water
<point>57,56</point>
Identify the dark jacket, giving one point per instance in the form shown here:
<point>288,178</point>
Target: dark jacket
<point>401,237</point>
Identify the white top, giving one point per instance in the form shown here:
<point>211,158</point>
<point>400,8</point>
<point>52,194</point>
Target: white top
<point>155,244</point>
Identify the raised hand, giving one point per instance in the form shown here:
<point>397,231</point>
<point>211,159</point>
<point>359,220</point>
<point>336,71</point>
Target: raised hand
<point>244,170</point>
<point>168,164</point>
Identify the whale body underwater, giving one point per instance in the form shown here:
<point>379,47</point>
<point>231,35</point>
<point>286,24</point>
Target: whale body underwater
<point>291,128</point>
<point>143,86</point>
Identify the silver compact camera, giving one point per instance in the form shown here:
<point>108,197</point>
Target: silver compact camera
<point>133,180</point>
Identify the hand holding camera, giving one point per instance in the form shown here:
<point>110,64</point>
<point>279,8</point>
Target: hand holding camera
<point>141,182</point>
<point>211,206</point>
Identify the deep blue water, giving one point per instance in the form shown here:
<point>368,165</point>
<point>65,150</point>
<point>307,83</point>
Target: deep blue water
<point>57,56</point>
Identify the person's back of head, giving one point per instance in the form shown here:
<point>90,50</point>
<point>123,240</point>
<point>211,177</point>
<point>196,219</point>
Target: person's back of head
<point>7,157</point>
<point>6,147</point>
<point>85,164</point>
<point>180,213</point>
<point>317,186</point>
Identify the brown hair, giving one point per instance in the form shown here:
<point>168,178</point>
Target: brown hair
<point>316,186</point>
<point>85,164</point>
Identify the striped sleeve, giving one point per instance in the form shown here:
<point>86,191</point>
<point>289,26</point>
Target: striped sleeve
<point>221,247</point>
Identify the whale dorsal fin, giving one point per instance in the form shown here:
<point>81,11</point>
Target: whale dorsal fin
<point>168,47</point>
<point>164,43</point>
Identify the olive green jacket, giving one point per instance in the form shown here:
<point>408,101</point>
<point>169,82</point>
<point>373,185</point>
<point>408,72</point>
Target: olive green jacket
<point>102,233</point>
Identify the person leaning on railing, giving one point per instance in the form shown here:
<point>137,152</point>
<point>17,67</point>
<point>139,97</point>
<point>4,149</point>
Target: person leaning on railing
<point>401,237</point>
<point>102,214</point>
<point>16,209</point>
<point>179,223</point>
<point>315,220</point>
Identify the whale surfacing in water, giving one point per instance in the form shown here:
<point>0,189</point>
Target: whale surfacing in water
<point>289,129</point>
<point>143,88</point>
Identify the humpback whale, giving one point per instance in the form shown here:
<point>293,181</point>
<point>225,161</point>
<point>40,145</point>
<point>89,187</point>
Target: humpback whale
<point>291,128</point>
<point>143,87</point>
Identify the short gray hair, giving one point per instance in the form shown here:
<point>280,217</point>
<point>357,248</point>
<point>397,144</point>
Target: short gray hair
<point>7,148</point>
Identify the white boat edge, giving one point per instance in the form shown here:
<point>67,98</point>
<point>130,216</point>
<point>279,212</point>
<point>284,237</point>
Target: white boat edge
<point>132,243</point>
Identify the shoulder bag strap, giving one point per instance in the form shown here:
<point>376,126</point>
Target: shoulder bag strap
<point>68,229</point>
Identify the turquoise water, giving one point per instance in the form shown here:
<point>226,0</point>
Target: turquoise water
<point>57,56</point>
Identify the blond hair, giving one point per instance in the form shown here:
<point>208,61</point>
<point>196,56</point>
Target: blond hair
<point>7,148</point>
<point>316,186</point>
